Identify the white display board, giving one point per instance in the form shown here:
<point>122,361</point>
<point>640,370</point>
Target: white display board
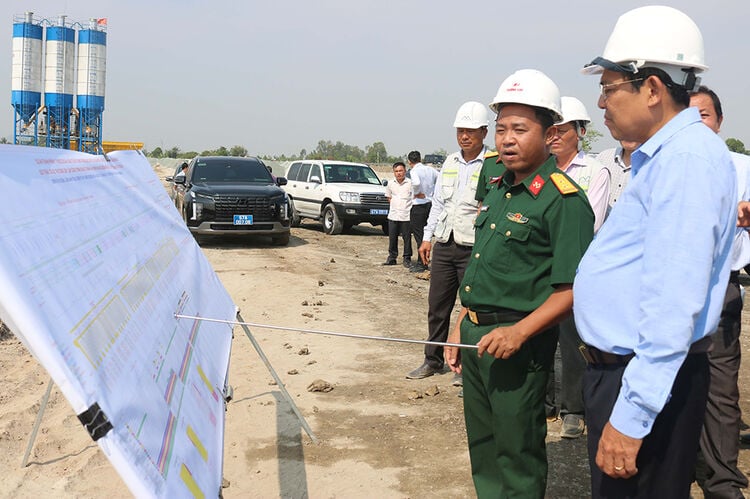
<point>95,262</point>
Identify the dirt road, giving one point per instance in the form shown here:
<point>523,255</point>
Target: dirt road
<point>379,435</point>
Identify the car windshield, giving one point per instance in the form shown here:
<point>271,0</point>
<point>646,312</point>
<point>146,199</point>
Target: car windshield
<point>350,174</point>
<point>230,170</point>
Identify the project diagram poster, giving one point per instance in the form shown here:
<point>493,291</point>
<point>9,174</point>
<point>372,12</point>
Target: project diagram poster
<point>95,262</point>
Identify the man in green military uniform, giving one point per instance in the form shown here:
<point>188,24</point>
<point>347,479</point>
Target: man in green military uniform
<point>531,231</point>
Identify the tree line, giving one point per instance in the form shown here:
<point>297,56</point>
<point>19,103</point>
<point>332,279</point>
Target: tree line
<point>326,149</point>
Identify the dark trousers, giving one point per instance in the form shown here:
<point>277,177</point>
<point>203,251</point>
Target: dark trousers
<point>396,229</point>
<point>449,261</point>
<point>717,471</point>
<point>504,413</point>
<point>418,216</point>
<point>571,373</point>
<point>667,456</point>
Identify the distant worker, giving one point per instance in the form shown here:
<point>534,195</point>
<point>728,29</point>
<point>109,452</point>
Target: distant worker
<point>650,288</point>
<point>717,472</point>
<point>532,229</point>
<point>451,222</point>
<point>183,170</point>
<point>423,179</point>
<point>399,193</point>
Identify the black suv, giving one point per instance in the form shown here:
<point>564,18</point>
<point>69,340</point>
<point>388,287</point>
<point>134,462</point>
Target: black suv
<point>230,195</point>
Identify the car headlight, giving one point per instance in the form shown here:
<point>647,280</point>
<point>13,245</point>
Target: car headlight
<point>349,197</point>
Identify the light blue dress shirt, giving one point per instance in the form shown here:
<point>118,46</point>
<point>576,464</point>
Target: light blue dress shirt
<point>423,180</point>
<point>741,248</point>
<point>654,278</point>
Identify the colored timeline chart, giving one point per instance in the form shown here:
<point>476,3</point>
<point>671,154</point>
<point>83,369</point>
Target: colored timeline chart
<point>97,262</point>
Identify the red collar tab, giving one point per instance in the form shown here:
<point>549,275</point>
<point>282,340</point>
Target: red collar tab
<point>536,185</point>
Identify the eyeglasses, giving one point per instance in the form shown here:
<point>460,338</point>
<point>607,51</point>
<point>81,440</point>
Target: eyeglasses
<point>606,91</point>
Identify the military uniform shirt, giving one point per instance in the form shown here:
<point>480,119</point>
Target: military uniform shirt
<point>529,238</point>
<point>492,168</point>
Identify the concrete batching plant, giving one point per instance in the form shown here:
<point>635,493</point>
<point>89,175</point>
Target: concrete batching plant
<point>50,61</point>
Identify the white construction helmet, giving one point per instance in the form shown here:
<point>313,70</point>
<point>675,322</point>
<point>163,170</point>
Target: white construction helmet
<point>573,110</point>
<point>472,114</point>
<point>654,37</point>
<point>529,87</point>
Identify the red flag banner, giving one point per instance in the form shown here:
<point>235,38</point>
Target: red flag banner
<point>102,21</point>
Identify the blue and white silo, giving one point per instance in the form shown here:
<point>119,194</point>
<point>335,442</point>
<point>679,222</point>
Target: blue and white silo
<point>92,69</point>
<point>58,83</point>
<point>26,79</point>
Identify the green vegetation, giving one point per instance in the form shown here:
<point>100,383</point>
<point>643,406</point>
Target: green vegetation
<point>736,145</point>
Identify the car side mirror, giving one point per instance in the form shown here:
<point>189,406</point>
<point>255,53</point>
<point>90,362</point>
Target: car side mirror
<point>384,181</point>
<point>315,179</point>
<point>180,179</point>
<point>281,181</point>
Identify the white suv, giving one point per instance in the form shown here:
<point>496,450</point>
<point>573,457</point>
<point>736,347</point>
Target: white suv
<point>338,193</point>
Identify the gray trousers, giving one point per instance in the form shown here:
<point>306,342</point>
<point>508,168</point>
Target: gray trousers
<point>449,261</point>
<point>717,471</point>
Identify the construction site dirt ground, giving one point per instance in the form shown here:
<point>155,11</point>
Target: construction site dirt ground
<point>378,434</point>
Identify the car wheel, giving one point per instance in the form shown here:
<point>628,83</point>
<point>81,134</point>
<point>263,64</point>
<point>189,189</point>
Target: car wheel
<point>331,223</point>
<point>294,218</point>
<point>282,240</point>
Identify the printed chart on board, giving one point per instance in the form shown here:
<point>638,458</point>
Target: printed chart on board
<point>95,264</point>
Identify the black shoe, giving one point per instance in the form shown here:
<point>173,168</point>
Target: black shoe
<point>389,262</point>
<point>418,267</point>
<point>423,371</point>
<point>407,263</point>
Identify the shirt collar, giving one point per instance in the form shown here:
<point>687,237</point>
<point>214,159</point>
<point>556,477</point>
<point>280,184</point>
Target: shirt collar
<point>458,157</point>
<point>618,160</point>
<point>545,170</point>
<point>648,149</point>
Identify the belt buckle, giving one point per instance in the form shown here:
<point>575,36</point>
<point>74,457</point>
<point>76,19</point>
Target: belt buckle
<point>586,354</point>
<point>472,316</point>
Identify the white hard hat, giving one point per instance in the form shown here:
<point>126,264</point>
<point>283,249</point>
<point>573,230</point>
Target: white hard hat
<point>529,87</point>
<point>472,114</point>
<point>573,110</point>
<point>654,36</point>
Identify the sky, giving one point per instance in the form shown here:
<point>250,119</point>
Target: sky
<point>278,77</point>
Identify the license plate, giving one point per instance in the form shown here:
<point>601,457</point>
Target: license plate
<point>243,220</point>
<point>378,212</point>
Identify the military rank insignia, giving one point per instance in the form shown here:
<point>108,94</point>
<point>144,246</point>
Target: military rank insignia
<point>536,185</point>
<point>562,183</point>
<point>517,218</point>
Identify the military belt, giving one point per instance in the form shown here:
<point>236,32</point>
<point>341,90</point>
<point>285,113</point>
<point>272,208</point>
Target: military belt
<point>503,316</point>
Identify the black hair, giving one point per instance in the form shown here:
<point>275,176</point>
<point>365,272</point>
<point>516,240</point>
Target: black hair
<point>714,98</point>
<point>545,117</point>
<point>678,92</point>
<point>398,163</point>
<point>414,157</point>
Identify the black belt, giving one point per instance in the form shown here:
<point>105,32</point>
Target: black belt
<point>734,277</point>
<point>594,356</point>
<point>499,317</point>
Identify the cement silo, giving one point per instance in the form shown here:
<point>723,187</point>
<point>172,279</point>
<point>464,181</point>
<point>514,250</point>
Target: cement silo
<point>58,83</point>
<point>92,69</point>
<point>26,79</point>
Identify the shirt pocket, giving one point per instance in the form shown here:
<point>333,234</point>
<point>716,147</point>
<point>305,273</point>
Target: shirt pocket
<point>510,247</point>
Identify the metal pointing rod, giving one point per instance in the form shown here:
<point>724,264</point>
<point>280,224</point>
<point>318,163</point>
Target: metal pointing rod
<point>327,333</point>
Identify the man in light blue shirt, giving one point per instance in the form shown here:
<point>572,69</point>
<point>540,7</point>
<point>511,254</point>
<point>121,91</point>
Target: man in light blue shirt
<point>651,286</point>
<point>423,180</point>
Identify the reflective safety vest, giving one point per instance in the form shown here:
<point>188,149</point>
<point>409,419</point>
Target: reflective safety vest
<point>460,208</point>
